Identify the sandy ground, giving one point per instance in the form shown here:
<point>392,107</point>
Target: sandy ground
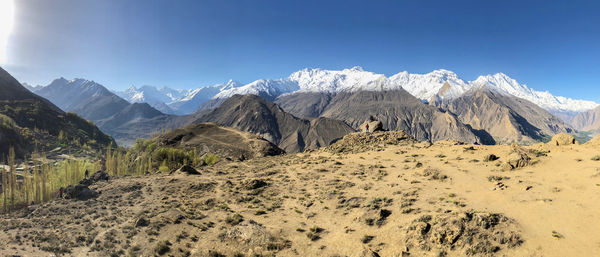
<point>406,199</point>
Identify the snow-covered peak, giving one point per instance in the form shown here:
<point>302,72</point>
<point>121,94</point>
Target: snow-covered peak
<point>265,87</point>
<point>132,88</point>
<point>436,85</point>
<point>229,85</point>
<point>440,84</point>
<point>31,88</point>
<point>332,81</point>
<point>505,84</point>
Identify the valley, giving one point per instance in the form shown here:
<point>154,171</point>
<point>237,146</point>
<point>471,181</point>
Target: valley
<point>299,128</point>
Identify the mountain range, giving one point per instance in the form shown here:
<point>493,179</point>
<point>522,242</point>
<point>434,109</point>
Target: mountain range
<point>431,87</point>
<point>434,106</point>
<point>174,101</point>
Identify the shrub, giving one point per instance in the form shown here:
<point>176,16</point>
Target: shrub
<point>234,219</point>
<point>162,247</point>
<point>210,159</point>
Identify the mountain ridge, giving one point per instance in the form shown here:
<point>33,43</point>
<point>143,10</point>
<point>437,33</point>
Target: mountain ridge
<point>30,122</point>
<point>435,86</point>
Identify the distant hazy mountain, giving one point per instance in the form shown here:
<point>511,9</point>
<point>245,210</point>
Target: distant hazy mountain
<point>194,98</point>
<point>84,97</point>
<point>253,114</point>
<point>174,101</point>
<point>505,117</point>
<point>31,88</point>
<point>28,121</point>
<point>587,121</point>
<point>157,98</point>
<point>126,125</point>
<point>396,109</point>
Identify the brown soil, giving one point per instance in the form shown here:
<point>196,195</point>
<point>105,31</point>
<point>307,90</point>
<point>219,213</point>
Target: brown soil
<point>383,197</point>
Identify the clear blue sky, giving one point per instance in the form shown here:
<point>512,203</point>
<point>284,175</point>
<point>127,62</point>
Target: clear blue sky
<point>549,45</point>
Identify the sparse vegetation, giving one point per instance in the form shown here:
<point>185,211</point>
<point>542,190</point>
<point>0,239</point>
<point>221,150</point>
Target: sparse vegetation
<point>162,247</point>
<point>557,235</point>
<point>40,181</point>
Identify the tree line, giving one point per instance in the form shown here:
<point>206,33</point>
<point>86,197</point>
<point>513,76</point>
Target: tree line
<point>39,179</point>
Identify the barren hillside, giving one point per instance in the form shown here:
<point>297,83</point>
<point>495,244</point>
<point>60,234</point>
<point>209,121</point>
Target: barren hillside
<point>380,194</point>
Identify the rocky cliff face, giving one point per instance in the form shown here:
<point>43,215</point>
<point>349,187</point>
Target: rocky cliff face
<point>396,109</point>
<point>506,118</point>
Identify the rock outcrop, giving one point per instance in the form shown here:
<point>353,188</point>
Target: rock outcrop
<point>96,177</point>
<point>362,142</point>
<point>79,192</point>
<point>518,158</point>
<point>563,139</point>
<point>186,170</point>
<point>371,125</point>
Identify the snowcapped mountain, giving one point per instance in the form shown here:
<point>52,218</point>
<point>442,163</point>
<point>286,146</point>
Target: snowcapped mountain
<point>546,100</point>
<point>434,86</point>
<point>32,88</point>
<point>439,84</point>
<point>194,98</point>
<point>175,101</point>
<point>431,87</point>
<point>150,94</point>
<point>267,89</point>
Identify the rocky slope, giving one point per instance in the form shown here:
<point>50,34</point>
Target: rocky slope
<point>505,117</point>
<point>223,141</point>
<point>397,110</point>
<point>587,121</point>
<point>253,114</point>
<point>29,121</point>
<point>86,98</point>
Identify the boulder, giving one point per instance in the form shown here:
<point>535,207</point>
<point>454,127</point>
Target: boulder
<point>563,139</point>
<point>490,158</point>
<point>79,192</point>
<point>98,176</point>
<point>255,184</point>
<point>142,222</point>
<point>187,169</point>
<point>518,158</point>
